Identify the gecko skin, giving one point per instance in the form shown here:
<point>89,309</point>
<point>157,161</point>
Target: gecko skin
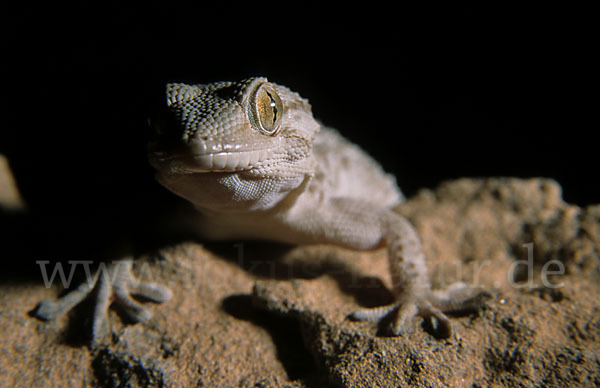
<point>256,164</point>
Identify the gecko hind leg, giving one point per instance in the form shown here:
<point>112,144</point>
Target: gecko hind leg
<point>114,284</point>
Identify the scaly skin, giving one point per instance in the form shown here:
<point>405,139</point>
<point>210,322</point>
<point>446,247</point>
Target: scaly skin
<point>256,164</point>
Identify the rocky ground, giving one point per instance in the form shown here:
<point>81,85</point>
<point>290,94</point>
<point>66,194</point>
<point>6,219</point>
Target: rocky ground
<point>265,315</point>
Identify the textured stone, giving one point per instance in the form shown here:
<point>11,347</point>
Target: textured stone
<point>265,315</point>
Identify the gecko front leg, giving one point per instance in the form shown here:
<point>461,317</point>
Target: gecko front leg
<point>411,286</point>
<point>362,225</point>
<point>113,283</point>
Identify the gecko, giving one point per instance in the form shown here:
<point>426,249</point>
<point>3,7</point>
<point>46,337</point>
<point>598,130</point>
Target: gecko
<point>256,164</point>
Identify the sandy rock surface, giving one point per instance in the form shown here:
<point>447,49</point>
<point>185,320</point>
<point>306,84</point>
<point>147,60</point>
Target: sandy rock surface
<point>265,315</point>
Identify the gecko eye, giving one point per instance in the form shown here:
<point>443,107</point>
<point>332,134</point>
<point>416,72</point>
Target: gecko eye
<point>265,110</point>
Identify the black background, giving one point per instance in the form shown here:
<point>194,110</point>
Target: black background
<point>433,93</point>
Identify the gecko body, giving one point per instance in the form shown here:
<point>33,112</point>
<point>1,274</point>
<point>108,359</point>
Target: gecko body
<point>256,164</point>
<point>252,159</point>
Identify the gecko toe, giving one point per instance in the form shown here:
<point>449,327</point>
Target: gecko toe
<point>48,310</point>
<point>152,291</point>
<point>438,323</point>
<point>400,318</point>
<point>458,299</point>
<point>113,283</point>
<point>372,314</point>
<point>394,319</point>
<point>51,309</point>
<point>135,311</point>
<point>403,323</point>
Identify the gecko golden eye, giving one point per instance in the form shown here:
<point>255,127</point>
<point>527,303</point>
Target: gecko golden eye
<point>265,110</point>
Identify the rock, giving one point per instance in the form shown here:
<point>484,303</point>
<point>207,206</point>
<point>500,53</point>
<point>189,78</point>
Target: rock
<point>10,198</point>
<point>266,315</point>
<point>539,331</point>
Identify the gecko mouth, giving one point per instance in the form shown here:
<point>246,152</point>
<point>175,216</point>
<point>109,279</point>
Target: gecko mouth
<point>229,161</point>
<point>167,152</point>
<point>212,162</point>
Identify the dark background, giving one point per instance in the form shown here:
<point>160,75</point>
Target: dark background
<point>433,93</point>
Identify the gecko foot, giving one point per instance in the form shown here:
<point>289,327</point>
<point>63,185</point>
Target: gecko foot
<point>113,283</point>
<point>458,298</point>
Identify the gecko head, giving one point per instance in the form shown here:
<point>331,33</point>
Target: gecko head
<point>230,127</point>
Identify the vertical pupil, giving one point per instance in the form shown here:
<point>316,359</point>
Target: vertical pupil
<point>273,106</point>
